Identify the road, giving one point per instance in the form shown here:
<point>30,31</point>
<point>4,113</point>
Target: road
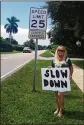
<point>13,62</point>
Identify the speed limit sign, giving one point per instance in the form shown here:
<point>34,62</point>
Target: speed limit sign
<point>38,23</point>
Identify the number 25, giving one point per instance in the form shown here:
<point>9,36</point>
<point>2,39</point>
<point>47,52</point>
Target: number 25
<point>41,23</point>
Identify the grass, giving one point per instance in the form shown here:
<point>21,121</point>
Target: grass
<point>21,106</point>
<point>47,54</point>
<point>79,63</point>
<point>11,52</point>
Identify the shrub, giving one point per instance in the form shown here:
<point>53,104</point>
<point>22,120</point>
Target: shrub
<point>5,46</point>
<point>18,48</point>
<point>53,48</point>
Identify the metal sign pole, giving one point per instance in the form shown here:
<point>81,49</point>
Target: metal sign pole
<point>36,48</point>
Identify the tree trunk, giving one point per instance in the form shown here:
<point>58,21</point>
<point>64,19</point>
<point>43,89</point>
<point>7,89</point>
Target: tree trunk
<point>10,36</point>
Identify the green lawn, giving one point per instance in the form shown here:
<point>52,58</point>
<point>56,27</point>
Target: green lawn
<point>47,54</point>
<point>21,106</point>
<point>79,63</point>
<point>11,52</point>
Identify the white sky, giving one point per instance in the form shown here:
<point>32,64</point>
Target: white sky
<point>22,36</point>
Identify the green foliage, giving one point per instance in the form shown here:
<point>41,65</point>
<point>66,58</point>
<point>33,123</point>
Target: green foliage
<point>13,41</point>
<point>79,63</point>
<point>67,23</point>
<point>49,47</point>
<point>13,52</point>
<point>40,47</point>
<point>18,48</point>
<point>5,46</point>
<point>53,48</point>
<point>12,26</point>
<point>47,54</point>
<point>30,43</point>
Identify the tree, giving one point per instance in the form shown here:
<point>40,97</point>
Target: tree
<point>67,21</point>
<point>40,47</point>
<point>30,43</point>
<point>67,15</point>
<point>5,46</point>
<point>13,41</point>
<point>11,26</point>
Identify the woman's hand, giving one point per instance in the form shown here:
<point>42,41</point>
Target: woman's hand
<point>70,77</point>
<point>71,72</point>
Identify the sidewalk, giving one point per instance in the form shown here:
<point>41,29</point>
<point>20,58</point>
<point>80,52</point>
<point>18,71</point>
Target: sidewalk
<point>78,73</point>
<point>78,77</point>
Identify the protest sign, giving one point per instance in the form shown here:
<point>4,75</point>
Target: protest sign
<point>56,79</point>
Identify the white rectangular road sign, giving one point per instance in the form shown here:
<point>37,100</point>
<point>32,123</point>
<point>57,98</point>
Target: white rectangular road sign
<point>38,18</point>
<point>37,34</point>
<point>38,23</point>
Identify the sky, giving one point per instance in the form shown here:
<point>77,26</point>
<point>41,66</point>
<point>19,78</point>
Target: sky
<point>21,10</point>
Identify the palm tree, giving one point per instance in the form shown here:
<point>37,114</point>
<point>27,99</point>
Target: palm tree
<point>12,26</point>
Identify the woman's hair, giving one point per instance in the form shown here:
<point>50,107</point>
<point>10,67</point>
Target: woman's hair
<point>56,54</point>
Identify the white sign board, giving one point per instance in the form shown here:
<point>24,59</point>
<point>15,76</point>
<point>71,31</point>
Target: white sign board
<point>56,79</point>
<point>38,23</point>
<point>37,34</point>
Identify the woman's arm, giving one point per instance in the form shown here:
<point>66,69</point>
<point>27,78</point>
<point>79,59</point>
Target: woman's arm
<point>52,64</point>
<point>71,71</point>
<point>70,67</point>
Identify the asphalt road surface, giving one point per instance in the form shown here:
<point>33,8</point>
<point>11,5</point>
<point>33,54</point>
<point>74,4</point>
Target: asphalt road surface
<point>13,62</point>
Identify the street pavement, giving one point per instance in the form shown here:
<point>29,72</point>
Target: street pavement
<point>13,62</point>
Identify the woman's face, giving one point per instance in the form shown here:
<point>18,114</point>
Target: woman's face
<point>61,52</point>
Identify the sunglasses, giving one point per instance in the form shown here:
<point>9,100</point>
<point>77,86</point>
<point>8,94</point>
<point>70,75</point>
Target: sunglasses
<point>61,50</point>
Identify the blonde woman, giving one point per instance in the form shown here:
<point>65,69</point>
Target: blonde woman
<point>61,60</point>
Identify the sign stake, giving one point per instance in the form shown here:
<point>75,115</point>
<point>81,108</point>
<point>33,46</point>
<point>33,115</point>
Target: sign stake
<point>36,48</point>
<point>37,30</point>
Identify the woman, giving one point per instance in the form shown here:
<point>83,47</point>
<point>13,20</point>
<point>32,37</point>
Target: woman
<point>61,60</point>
